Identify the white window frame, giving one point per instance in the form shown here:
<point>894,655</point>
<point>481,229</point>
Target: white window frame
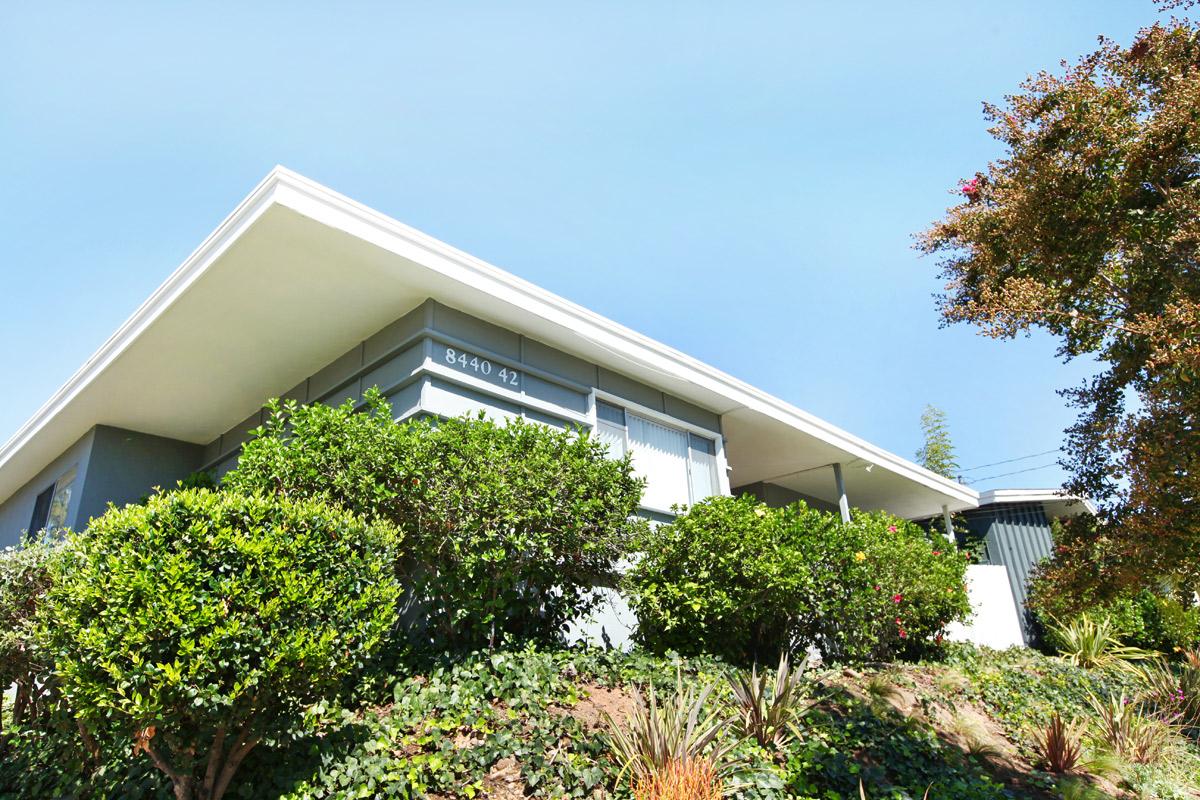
<point>670,422</point>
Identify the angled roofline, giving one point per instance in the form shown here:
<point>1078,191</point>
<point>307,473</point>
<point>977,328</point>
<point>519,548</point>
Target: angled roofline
<point>283,187</point>
<point>990,496</point>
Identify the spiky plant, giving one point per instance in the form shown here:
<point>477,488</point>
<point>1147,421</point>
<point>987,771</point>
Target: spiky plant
<point>1172,691</point>
<point>1092,643</point>
<point>658,738</point>
<point>1058,747</point>
<point>769,710</point>
<point>690,780</point>
<point>1120,727</point>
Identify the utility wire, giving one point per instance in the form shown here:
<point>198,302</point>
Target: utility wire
<point>1011,460</point>
<point>1017,472</point>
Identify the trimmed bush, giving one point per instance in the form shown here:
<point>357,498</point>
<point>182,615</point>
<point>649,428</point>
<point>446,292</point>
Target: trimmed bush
<point>24,580</point>
<point>733,577</point>
<point>510,525</point>
<point>200,623</point>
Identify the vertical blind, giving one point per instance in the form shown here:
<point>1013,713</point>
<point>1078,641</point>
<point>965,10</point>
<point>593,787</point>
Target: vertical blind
<point>661,455</point>
<point>680,468</point>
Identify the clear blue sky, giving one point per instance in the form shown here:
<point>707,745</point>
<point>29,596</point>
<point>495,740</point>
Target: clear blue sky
<point>739,180</point>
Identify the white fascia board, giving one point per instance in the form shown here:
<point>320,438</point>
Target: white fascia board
<point>308,198</point>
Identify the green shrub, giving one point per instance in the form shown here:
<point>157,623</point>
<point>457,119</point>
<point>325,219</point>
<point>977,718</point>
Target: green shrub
<point>195,626</point>
<point>510,526</point>
<point>24,579</point>
<point>1072,582</point>
<point>733,577</point>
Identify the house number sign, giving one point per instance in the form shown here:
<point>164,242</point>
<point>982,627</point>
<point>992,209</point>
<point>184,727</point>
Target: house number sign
<point>481,367</point>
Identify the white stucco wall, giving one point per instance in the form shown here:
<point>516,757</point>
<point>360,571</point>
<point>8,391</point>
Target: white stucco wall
<point>995,622</point>
<point>612,623</point>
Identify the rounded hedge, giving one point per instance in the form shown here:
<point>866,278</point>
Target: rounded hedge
<point>198,623</point>
<point>744,581</point>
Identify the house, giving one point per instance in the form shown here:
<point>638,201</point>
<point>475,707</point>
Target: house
<point>306,294</point>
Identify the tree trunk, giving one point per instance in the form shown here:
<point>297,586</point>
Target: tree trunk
<point>241,748</point>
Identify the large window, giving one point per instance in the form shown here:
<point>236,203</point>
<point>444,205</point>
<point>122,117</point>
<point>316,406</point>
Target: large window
<point>679,467</point>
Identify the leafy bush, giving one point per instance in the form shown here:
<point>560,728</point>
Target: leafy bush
<point>196,626</point>
<point>509,526</point>
<point>1071,582</point>
<point>24,580</point>
<point>744,581</point>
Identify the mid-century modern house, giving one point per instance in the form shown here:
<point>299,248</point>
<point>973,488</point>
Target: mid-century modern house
<point>306,294</point>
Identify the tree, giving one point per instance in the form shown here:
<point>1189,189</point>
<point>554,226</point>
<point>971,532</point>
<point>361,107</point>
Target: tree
<point>1088,228</point>
<point>510,526</point>
<point>937,454</point>
<point>198,624</point>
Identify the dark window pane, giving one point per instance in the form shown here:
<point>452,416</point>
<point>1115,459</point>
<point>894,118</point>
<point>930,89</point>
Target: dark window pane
<point>41,511</point>
<point>703,445</point>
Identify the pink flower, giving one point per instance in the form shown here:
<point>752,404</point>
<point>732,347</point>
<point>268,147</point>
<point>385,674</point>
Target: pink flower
<point>903,635</point>
<point>971,188</point>
<point>937,552</point>
<point>896,598</point>
<point>892,528</point>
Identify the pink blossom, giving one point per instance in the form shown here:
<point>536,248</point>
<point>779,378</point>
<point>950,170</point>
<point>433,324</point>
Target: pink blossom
<point>892,529</point>
<point>896,598</point>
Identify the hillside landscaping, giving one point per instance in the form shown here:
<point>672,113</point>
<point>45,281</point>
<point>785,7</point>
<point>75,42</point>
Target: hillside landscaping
<point>367,609</point>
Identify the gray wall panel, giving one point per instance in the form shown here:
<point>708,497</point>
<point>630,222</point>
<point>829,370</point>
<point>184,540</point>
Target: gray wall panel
<point>554,393</point>
<point>17,511</point>
<point>630,389</point>
<point>394,335</point>
<point>125,466</point>
<point>557,362</point>
<point>469,329</point>
<point>336,374</point>
<point>681,409</point>
<point>395,369</point>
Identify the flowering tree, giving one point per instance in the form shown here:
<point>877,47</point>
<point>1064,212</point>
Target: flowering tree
<point>1089,228</point>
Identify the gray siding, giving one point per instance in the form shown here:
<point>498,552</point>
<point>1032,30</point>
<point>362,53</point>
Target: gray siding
<point>112,465</point>
<point>1017,536</point>
<point>17,511</point>
<point>126,466</point>
<point>408,362</point>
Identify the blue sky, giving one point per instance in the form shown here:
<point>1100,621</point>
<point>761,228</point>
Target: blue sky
<point>739,180</point>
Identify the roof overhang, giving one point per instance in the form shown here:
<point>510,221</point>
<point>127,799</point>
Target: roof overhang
<point>1056,502</point>
<point>298,274</point>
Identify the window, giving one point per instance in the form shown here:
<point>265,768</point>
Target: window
<point>679,467</point>
<point>61,503</point>
<point>51,507</point>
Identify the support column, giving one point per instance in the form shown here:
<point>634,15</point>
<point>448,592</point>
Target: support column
<point>843,503</point>
<point>949,526</point>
